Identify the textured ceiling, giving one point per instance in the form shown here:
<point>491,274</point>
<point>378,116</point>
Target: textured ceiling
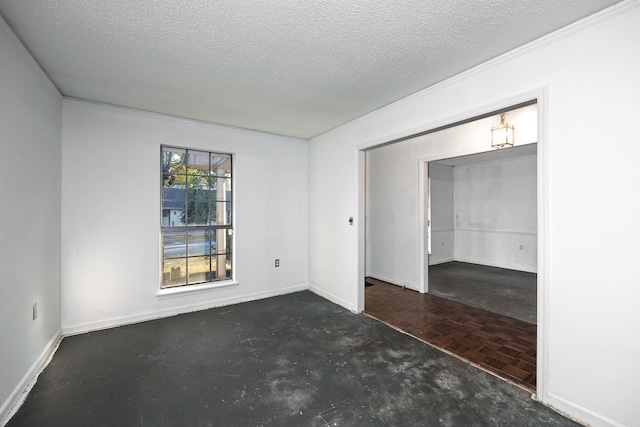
<point>289,67</point>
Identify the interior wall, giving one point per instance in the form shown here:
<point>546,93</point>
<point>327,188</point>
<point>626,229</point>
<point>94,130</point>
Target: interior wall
<point>442,213</point>
<point>496,213</point>
<point>30,127</point>
<point>588,75</point>
<point>389,222</point>
<point>111,214</point>
<point>394,193</point>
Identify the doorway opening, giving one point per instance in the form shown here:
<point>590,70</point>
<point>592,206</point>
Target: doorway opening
<point>467,200</point>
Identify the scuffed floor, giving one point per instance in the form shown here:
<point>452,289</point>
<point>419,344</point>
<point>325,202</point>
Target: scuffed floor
<point>285,361</point>
<point>499,290</point>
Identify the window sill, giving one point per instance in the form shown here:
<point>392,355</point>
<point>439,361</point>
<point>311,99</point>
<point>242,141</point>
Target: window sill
<point>194,289</point>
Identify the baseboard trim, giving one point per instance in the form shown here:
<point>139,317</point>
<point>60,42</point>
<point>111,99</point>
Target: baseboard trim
<point>395,282</point>
<point>579,413</point>
<point>334,299</point>
<point>173,311</point>
<point>20,392</point>
<point>493,264</point>
<point>440,261</point>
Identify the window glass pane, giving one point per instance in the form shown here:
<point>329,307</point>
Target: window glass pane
<point>221,214</point>
<point>198,208</point>
<point>197,182</point>
<point>174,244</point>
<point>199,242</point>
<point>172,217</point>
<point>222,187</point>
<point>226,261</point>
<point>227,207</point>
<point>199,269</point>
<point>197,163</point>
<point>221,164</point>
<point>228,253</point>
<point>228,247</point>
<point>220,243</point>
<point>174,272</point>
<point>198,199</point>
<point>214,268</point>
<point>173,205</point>
<point>220,267</point>
<point>173,166</point>
<point>228,266</point>
<point>212,241</point>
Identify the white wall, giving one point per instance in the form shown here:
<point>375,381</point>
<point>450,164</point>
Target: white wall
<point>111,219</point>
<point>495,213</point>
<point>393,193</point>
<point>442,214</point>
<point>587,79</point>
<point>391,251</point>
<point>30,121</point>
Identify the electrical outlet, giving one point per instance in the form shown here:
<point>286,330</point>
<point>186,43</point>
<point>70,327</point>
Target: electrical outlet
<point>35,311</point>
<point>277,263</point>
<point>521,247</point>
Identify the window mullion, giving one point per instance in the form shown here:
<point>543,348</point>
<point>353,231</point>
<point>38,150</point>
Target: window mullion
<point>186,216</point>
<point>209,184</point>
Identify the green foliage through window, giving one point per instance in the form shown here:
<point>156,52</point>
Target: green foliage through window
<point>196,216</point>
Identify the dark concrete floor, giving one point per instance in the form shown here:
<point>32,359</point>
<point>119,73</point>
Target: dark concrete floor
<point>291,360</point>
<point>508,292</point>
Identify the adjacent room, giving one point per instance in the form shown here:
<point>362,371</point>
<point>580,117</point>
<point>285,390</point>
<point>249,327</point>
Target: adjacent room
<point>194,193</point>
<point>483,213</point>
<point>474,215</point>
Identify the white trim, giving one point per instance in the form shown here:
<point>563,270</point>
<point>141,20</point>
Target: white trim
<point>423,242</point>
<point>16,41</point>
<point>395,282</point>
<point>542,315</point>
<point>361,218</point>
<point>481,261</point>
<point>334,299</point>
<point>20,392</point>
<point>440,260</point>
<point>498,161</point>
<point>173,311</point>
<point>178,291</point>
<point>579,413</point>
<point>481,230</point>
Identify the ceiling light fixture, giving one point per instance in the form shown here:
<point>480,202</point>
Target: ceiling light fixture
<point>502,135</point>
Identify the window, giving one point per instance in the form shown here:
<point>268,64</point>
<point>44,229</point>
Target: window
<point>197,224</point>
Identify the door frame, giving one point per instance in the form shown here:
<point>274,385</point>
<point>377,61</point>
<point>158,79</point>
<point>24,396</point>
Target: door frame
<point>540,96</point>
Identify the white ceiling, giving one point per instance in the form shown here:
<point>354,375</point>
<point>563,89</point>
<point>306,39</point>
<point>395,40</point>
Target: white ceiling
<point>288,67</point>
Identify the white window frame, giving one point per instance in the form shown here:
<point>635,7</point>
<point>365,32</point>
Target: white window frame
<point>191,244</point>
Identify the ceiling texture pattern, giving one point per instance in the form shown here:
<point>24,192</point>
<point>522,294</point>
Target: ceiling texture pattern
<point>296,68</point>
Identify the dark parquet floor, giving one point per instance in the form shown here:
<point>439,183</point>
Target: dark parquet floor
<point>498,344</point>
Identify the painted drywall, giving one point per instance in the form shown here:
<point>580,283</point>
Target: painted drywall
<point>587,79</point>
<point>391,252</point>
<point>30,123</point>
<point>393,193</point>
<point>496,213</point>
<point>111,219</point>
<point>442,213</point>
